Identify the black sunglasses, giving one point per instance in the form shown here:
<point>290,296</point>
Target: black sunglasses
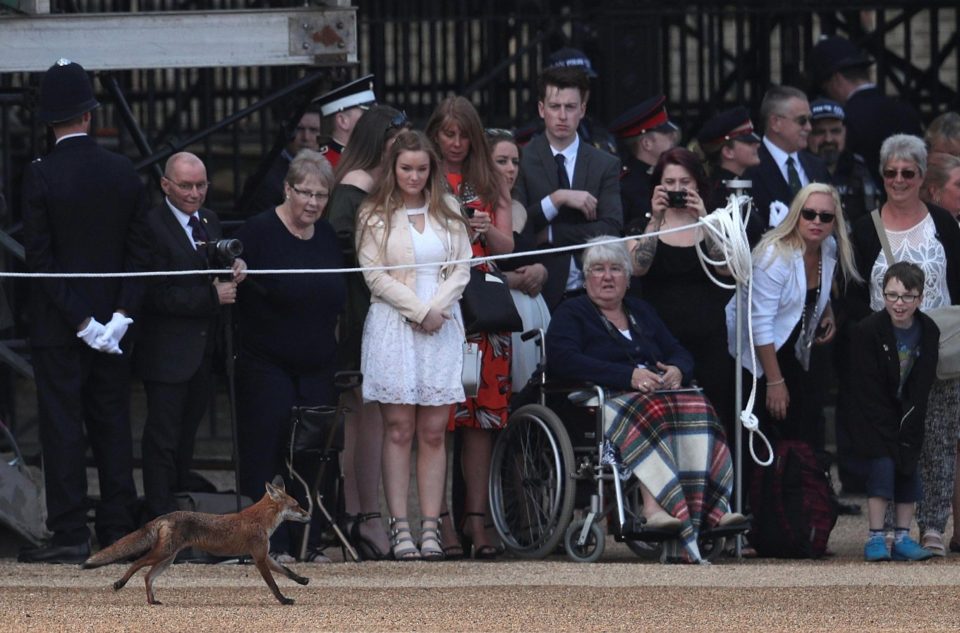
<point>907,174</point>
<point>810,215</point>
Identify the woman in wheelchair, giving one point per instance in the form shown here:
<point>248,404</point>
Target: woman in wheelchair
<point>666,433</point>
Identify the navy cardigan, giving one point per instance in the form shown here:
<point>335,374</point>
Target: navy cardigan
<point>580,346</point>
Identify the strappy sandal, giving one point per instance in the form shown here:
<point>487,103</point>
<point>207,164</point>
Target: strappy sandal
<point>431,548</point>
<point>932,541</point>
<point>453,551</point>
<point>401,541</point>
<point>480,552</point>
<point>366,547</point>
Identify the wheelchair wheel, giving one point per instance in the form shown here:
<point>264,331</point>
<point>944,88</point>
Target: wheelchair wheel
<point>531,485</point>
<point>711,547</point>
<point>592,548</point>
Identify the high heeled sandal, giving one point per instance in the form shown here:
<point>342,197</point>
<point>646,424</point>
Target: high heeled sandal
<point>479,552</point>
<point>402,546</point>
<point>453,551</point>
<point>366,547</point>
<point>431,534</point>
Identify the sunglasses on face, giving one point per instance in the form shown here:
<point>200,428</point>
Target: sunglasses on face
<point>906,174</point>
<point>810,215</point>
<point>801,120</point>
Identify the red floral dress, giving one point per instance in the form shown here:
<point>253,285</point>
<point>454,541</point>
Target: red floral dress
<point>490,409</point>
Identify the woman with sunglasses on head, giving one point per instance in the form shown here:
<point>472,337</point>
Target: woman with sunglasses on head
<point>456,130</point>
<point>794,267</point>
<point>928,236</point>
<point>359,169</point>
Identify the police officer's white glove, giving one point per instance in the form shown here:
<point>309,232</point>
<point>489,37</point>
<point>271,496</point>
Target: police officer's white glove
<point>91,333</point>
<point>109,340</point>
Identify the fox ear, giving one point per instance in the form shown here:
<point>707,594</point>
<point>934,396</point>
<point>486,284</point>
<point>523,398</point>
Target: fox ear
<point>275,489</point>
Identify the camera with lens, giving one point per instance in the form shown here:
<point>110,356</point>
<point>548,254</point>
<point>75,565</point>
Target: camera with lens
<point>224,252</point>
<point>677,199</point>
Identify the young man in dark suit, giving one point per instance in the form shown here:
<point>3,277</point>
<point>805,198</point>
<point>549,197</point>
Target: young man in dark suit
<point>571,190</point>
<point>179,329</point>
<point>785,165</point>
<point>83,211</point>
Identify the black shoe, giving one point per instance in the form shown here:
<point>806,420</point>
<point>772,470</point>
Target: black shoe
<point>62,554</point>
<point>852,509</point>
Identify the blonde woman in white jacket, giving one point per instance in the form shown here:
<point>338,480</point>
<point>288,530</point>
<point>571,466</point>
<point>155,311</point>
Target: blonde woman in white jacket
<point>411,355</point>
<point>793,272</point>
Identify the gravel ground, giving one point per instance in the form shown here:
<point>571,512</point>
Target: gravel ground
<point>621,592</point>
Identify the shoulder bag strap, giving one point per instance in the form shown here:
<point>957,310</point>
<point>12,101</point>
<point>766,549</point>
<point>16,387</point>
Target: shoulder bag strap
<point>882,234</point>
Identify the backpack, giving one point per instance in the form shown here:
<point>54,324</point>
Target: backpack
<point>793,510</point>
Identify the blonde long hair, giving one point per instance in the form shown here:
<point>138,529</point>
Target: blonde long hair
<point>785,238</point>
<point>386,196</point>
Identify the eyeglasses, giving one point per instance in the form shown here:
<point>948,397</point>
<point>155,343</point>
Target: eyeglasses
<point>600,270</point>
<point>906,174</point>
<point>187,187</point>
<point>319,196</point>
<point>893,297</point>
<point>810,215</point>
<point>801,120</point>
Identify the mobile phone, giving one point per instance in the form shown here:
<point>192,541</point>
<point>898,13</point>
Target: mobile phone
<point>677,199</point>
<point>467,211</point>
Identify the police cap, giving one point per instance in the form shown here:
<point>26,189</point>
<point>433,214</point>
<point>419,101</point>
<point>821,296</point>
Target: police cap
<point>826,109</point>
<point>570,58</point>
<point>65,92</point>
<point>833,53</point>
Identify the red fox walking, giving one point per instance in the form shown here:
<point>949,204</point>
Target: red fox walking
<point>243,533</point>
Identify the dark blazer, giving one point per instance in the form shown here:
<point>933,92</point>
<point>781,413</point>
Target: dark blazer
<point>83,211</point>
<point>882,424</point>
<point>870,118</point>
<point>179,314</point>
<point>769,184</point>
<point>580,347</point>
<point>636,193</point>
<point>595,171</point>
<point>867,248</point>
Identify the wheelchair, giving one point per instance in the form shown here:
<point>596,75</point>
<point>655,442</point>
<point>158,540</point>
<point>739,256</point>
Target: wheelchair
<point>547,465</point>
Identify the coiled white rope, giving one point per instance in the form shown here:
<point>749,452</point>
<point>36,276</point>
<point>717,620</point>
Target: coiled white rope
<point>727,229</point>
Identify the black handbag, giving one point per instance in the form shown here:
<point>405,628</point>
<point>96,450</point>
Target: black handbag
<point>316,429</point>
<point>487,305</point>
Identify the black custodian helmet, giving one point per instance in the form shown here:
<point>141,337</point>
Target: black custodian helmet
<point>65,92</point>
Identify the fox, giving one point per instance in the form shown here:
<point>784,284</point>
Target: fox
<point>241,533</point>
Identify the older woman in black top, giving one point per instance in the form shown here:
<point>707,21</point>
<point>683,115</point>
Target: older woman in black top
<point>658,432</point>
<point>287,351</point>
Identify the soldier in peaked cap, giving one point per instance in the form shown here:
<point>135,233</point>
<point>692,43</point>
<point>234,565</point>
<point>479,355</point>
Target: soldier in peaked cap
<point>343,107</point>
<point>842,71</point>
<point>646,132</point>
<point>828,140</point>
<point>83,211</point>
<point>731,146</point>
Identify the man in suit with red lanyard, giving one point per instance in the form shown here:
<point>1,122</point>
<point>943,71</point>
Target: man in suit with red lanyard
<point>83,211</point>
<point>179,329</point>
<point>571,190</point>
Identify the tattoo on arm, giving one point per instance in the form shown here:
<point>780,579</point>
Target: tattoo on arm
<point>643,255</point>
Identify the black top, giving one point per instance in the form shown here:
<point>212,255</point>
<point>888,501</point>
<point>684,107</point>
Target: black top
<point>290,319</point>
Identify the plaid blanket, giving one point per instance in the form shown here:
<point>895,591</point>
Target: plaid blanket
<point>675,445</point>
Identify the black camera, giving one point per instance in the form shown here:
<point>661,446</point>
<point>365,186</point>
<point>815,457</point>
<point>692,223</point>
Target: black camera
<point>224,252</point>
<point>677,199</point>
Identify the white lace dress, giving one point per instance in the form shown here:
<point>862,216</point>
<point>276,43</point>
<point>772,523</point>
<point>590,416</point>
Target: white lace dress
<point>403,366</point>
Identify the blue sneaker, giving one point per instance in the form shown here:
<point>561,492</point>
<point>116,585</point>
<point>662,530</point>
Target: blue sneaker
<point>909,549</point>
<point>876,550</point>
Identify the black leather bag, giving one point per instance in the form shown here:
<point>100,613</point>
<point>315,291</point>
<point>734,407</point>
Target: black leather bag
<point>316,429</point>
<point>487,306</point>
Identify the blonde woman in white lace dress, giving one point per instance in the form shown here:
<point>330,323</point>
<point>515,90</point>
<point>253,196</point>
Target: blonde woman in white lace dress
<point>411,355</point>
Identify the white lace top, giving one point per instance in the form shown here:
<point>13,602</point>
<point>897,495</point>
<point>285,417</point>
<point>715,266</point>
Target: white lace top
<point>918,244</point>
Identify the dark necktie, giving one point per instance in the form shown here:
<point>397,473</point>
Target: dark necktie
<point>199,233</point>
<point>793,178</point>
<point>562,177</point>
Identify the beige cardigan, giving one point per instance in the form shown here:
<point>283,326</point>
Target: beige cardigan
<point>398,287</point>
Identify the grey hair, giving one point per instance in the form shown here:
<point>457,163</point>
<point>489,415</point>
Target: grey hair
<point>904,147</point>
<point>775,99</point>
<point>308,163</point>
<point>612,253</point>
<point>945,127</point>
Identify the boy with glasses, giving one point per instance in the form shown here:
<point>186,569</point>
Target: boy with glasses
<point>895,352</point>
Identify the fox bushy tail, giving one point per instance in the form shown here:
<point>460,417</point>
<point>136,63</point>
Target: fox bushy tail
<point>130,545</point>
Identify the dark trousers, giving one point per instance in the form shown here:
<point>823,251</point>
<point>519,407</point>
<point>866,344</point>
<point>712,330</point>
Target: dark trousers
<point>79,388</point>
<point>174,412</point>
<point>266,393</point>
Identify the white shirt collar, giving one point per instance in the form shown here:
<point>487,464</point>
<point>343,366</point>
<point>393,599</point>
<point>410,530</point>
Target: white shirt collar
<point>66,136</point>
<point>182,218</point>
<point>780,156</point>
<point>569,152</point>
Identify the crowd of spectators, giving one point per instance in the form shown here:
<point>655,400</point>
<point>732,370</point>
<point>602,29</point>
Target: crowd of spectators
<point>639,316</point>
